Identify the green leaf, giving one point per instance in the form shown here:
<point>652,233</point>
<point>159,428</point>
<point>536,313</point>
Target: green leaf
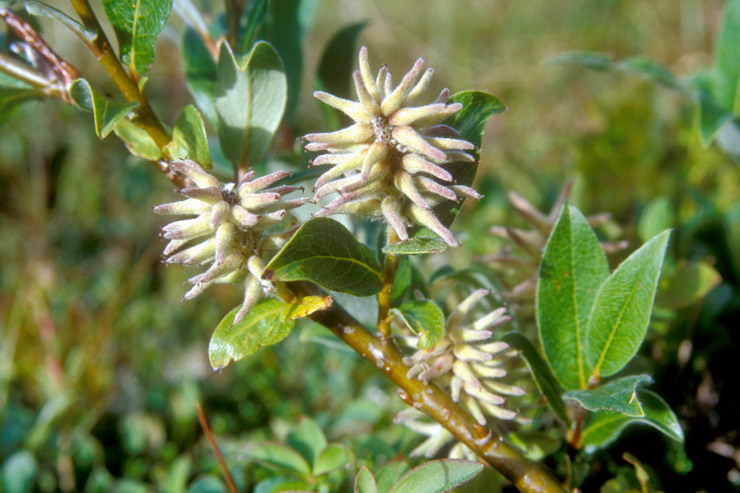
<point>619,396</point>
<point>389,474</point>
<point>425,319</point>
<point>255,16</point>
<point>189,139</point>
<point>401,282</point>
<point>106,114</point>
<point>19,472</point>
<point>137,24</point>
<point>543,377</point>
<point>657,216</point>
<point>711,115</point>
<point>572,269</point>
<point>365,482</point>
<point>605,426</point>
<point>688,284</point>
<point>726,58</point>
<point>278,457</point>
<point>326,253</point>
<point>437,476</point>
<point>200,73</point>
<point>417,245</point>
<point>308,439</point>
<point>622,308</point>
<point>264,325</point>
<point>250,101</point>
<point>331,458</point>
<point>12,97</point>
<point>35,7</point>
<point>335,68</point>
<point>651,71</point>
<point>305,306</point>
<point>137,141</point>
<point>286,29</point>
<point>470,121</point>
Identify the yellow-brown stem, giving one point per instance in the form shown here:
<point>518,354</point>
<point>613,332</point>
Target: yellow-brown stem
<point>384,297</point>
<point>526,475</point>
<point>101,48</point>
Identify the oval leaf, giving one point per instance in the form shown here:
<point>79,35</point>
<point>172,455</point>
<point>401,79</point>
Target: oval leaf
<point>278,457</point>
<point>106,114</point>
<point>137,24</point>
<point>688,284</point>
<point>365,482</point>
<point>572,269</point>
<point>425,319</point>
<point>264,325</point>
<point>189,139</point>
<point>437,476</point>
<point>326,253</point>
<point>604,426</point>
<point>543,377</point>
<point>621,310</point>
<point>200,73</point>
<point>308,439</point>
<point>331,458</point>
<point>619,396</point>
<point>137,141</point>
<point>250,101</point>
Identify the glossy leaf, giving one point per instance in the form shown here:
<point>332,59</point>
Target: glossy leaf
<point>401,282</point>
<point>437,476</point>
<point>189,139</point>
<point>106,114</point>
<point>137,24</point>
<point>619,396</point>
<point>330,459</point>
<point>278,457</point>
<point>425,319</point>
<point>470,121</point>
<point>335,68</point>
<point>572,269</point>
<point>543,376</point>
<point>605,426</point>
<point>622,308</point>
<point>307,305</point>
<point>365,482</point>
<point>326,253</point>
<point>137,141</point>
<point>250,100</point>
<point>308,439</point>
<point>688,284</point>
<point>200,73</point>
<point>264,325</point>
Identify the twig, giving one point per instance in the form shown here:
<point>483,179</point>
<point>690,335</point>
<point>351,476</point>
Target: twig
<point>101,48</point>
<point>525,474</point>
<point>216,451</point>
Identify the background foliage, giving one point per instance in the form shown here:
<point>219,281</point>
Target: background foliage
<point>100,363</point>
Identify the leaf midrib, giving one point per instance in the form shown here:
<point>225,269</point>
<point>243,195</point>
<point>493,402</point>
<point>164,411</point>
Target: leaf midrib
<point>332,257</point>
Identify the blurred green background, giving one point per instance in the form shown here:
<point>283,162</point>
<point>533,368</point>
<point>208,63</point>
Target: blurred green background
<point>101,363</point>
